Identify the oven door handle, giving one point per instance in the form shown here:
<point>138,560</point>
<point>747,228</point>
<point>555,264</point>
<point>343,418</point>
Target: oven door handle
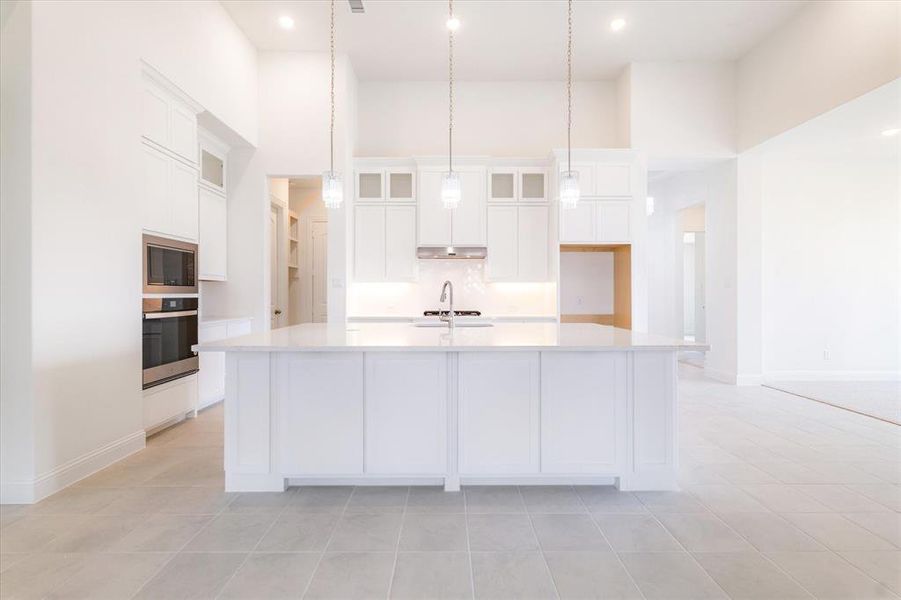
<point>173,314</point>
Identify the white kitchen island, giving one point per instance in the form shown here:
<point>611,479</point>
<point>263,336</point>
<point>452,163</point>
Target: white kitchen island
<point>393,403</point>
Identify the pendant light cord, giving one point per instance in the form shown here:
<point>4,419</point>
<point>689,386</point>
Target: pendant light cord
<point>450,79</point>
<point>569,86</point>
<point>331,141</point>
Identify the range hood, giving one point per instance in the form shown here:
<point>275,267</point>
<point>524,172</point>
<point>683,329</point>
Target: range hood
<point>451,252</point>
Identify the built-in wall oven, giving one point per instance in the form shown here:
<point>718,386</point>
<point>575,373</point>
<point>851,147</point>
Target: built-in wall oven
<point>170,329</point>
<point>170,266</point>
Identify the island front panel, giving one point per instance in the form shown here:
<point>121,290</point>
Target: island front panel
<point>450,417</point>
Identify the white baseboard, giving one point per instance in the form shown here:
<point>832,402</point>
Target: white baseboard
<point>832,376</point>
<point>71,472</point>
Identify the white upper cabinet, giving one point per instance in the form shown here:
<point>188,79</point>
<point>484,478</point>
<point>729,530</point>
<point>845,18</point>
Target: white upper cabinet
<point>502,185</point>
<point>369,243</point>
<point>613,221</point>
<point>468,220</point>
<point>517,184</point>
<point>400,243</point>
<point>462,226</point>
<point>213,162</point>
<point>169,200</point>
<point>532,243</point>
<point>370,186</point>
<point>612,180</point>
<point>169,121</point>
<point>212,235</point>
<point>434,219</point>
<point>532,185</point>
<point>502,261</point>
<point>577,224</point>
<point>401,185</point>
<point>384,243</point>
<point>517,243</point>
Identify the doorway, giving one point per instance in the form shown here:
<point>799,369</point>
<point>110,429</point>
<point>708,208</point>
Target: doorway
<point>693,287</point>
<point>308,289</point>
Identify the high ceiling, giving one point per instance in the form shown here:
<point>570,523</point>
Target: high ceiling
<point>505,40</point>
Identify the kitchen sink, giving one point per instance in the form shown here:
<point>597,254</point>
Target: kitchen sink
<point>457,324</point>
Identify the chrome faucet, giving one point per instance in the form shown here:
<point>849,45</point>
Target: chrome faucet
<point>449,317</point>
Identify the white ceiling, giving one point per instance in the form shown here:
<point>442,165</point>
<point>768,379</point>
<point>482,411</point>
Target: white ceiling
<point>513,39</point>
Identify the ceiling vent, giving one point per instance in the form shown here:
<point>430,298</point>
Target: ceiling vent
<point>356,6</point>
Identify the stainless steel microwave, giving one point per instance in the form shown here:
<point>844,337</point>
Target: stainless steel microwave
<point>170,266</point>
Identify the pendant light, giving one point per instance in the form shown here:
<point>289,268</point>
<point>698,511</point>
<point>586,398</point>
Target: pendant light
<point>332,188</point>
<point>569,179</point>
<point>450,184</point>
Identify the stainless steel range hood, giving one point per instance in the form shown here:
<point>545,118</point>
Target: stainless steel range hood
<point>451,252</point>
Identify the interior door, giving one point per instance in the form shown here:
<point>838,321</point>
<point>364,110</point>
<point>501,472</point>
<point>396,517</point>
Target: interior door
<point>700,288</point>
<point>320,272</point>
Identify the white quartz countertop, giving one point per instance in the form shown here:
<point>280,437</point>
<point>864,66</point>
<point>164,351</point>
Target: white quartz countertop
<point>323,337</point>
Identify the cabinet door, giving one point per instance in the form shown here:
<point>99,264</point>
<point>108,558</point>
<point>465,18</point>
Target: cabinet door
<point>369,243</point>
<point>155,115</point>
<point>156,208</point>
<point>320,403</point>
<point>577,224</point>
<point>400,243</point>
<point>533,185</point>
<point>613,221</point>
<point>183,190</point>
<point>499,412</point>
<point>583,405</point>
<point>532,245</point>
<point>469,217</point>
<point>434,219</point>
<point>585,172</point>
<point>502,247</point>
<point>502,185</point>
<point>370,186</point>
<point>401,186</point>
<point>212,235</point>
<point>183,132</point>
<point>406,419</point>
<point>211,377</point>
<point>614,180</point>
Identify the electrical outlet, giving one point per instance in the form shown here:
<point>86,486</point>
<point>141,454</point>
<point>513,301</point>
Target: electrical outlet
<point>826,354</point>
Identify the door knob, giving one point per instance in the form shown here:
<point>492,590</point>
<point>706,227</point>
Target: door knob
<point>277,312</point>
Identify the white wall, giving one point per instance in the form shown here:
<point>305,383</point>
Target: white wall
<point>86,98</point>
<point>830,244</point>
<point>827,54</point>
<point>682,110</point>
<point>510,119</point>
<point>586,283</point>
<point>16,383</point>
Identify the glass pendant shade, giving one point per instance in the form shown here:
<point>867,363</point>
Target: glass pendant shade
<point>569,189</point>
<point>451,190</point>
<point>332,190</point>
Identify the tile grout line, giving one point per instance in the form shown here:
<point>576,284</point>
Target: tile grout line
<point>472,578</point>
<point>400,532</point>
<point>619,559</point>
<point>185,545</point>
<point>681,545</point>
<point>255,546</point>
<point>538,541</point>
<point>328,542</point>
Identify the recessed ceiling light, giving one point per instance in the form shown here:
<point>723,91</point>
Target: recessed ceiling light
<point>286,22</point>
<point>617,24</point>
<point>891,132</point>
<point>453,23</point>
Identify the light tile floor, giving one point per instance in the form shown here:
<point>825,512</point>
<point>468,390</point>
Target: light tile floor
<point>783,498</point>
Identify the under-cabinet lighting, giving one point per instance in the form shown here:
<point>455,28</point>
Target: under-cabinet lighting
<point>286,22</point>
<point>891,132</point>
